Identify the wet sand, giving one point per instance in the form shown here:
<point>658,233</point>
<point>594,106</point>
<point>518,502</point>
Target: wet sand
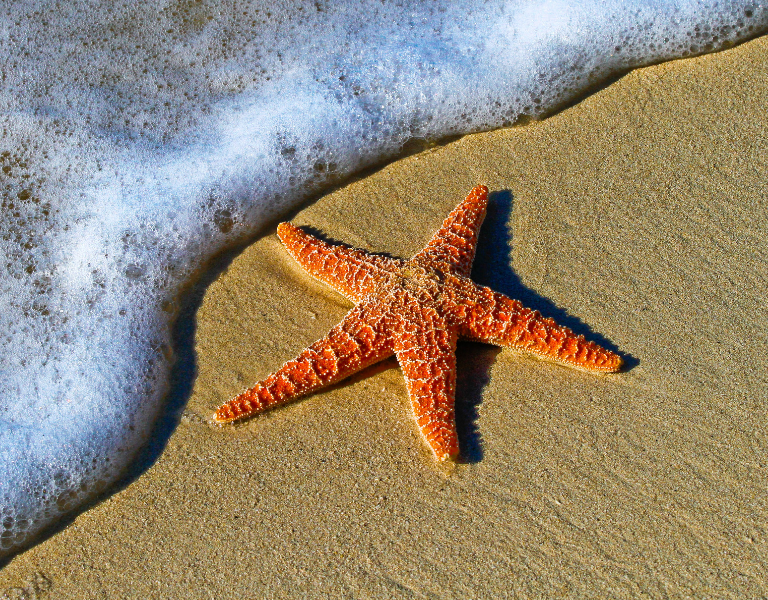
<point>637,217</point>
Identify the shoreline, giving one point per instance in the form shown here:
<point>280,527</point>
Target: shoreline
<point>632,217</point>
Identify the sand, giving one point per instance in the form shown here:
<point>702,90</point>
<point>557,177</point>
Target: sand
<point>636,217</point>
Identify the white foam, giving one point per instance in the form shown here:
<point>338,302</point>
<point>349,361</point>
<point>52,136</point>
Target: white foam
<point>138,143</point>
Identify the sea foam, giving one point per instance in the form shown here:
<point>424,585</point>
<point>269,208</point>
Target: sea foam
<point>138,139</point>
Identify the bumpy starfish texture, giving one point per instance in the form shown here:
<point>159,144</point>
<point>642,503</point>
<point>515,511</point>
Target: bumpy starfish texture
<point>415,309</point>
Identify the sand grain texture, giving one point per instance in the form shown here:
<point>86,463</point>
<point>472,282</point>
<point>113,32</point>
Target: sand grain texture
<point>637,217</point>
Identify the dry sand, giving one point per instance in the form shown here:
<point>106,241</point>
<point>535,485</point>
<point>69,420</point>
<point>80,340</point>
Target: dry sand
<point>637,217</point>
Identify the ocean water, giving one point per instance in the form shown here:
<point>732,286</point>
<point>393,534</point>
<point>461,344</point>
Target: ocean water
<point>140,138</point>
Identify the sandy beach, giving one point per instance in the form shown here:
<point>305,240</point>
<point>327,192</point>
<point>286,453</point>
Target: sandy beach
<point>636,217</point>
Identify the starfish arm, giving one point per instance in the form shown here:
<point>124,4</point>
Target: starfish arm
<point>496,319</point>
<point>355,343</point>
<point>455,242</point>
<point>428,360</point>
<point>350,271</point>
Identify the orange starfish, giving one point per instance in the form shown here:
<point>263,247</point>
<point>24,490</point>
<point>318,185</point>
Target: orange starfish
<point>415,309</point>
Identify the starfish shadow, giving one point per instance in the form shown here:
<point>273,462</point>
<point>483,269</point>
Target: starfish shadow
<point>492,268</point>
<point>321,235</point>
<point>474,362</point>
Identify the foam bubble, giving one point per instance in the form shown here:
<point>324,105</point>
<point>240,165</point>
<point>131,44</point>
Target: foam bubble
<point>137,143</point>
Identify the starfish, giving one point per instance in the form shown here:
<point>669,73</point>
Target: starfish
<point>415,309</point>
